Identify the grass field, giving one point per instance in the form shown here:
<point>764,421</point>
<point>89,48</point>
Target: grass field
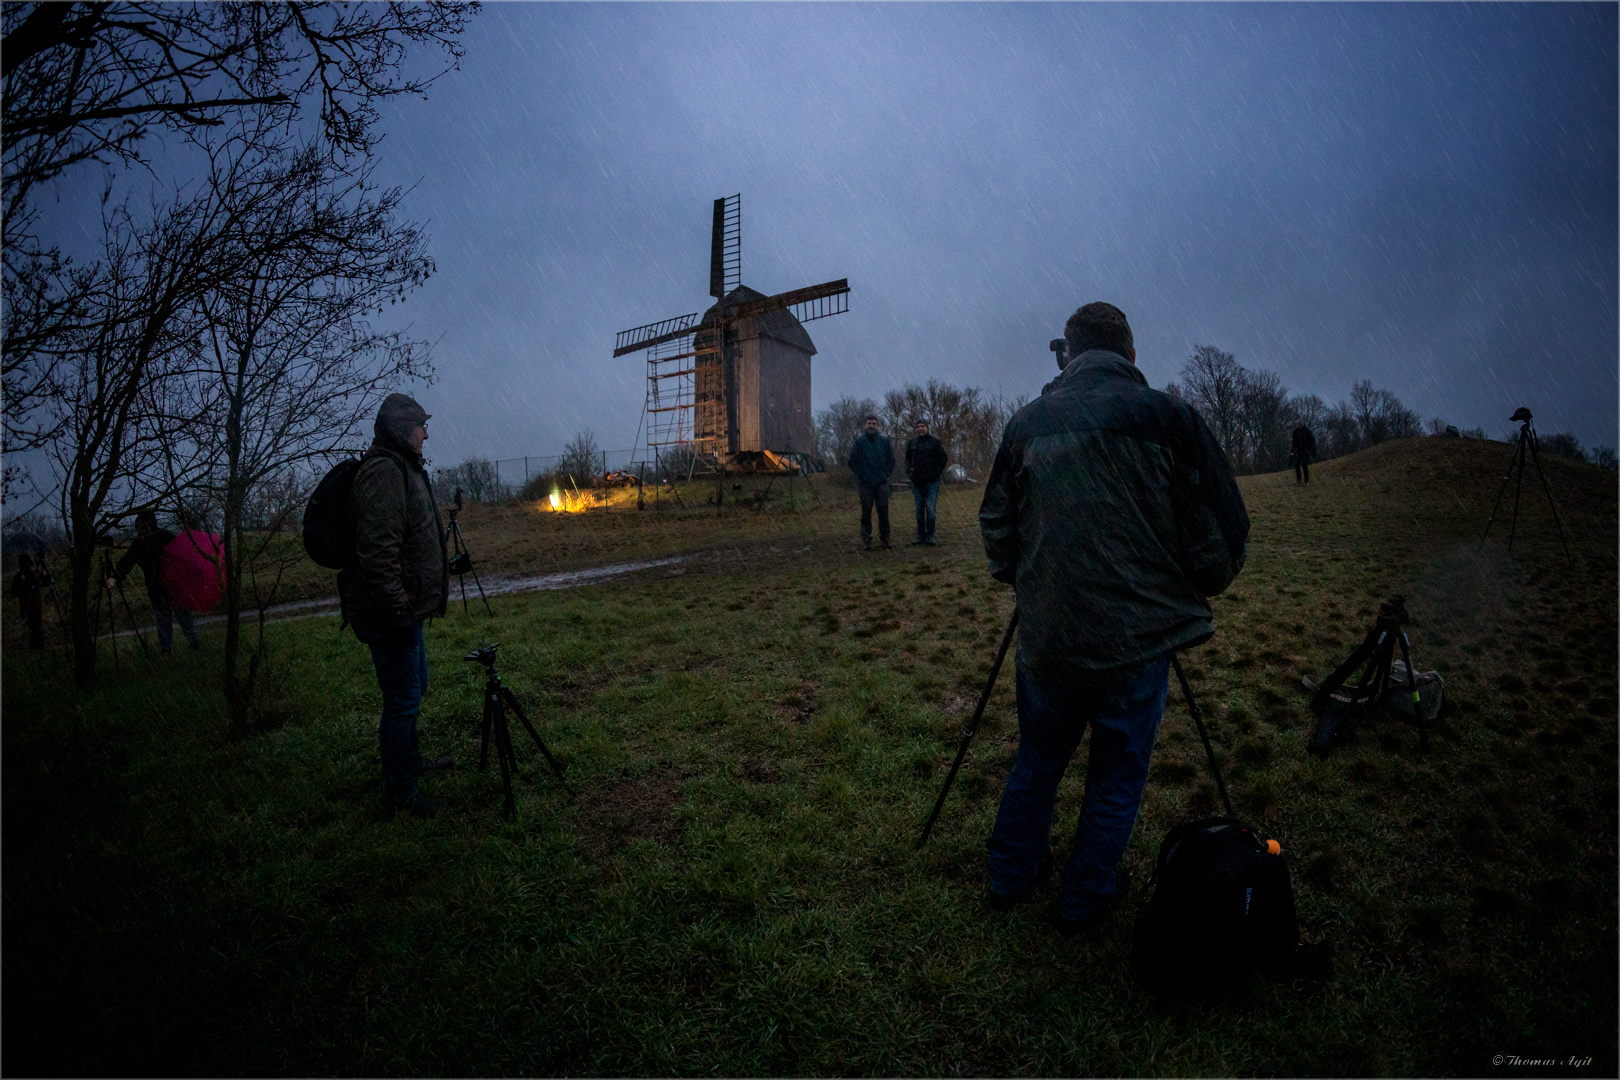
<point>753,738</point>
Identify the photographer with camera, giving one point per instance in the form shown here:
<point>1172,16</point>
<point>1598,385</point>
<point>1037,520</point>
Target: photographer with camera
<point>1113,512</point>
<point>147,553</point>
<point>399,577</point>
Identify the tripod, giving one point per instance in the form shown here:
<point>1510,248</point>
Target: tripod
<point>1528,446</point>
<point>461,562</point>
<point>497,699</point>
<point>1377,651</point>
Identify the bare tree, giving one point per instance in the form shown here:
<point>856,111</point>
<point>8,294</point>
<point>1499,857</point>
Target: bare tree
<point>89,417</point>
<point>1211,381</point>
<point>1263,419</point>
<point>287,367</point>
<point>838,424</point>
<point>581,460</point>
<point>476,478</point>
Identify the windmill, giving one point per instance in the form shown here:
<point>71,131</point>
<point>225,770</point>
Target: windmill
<point>732,385</point>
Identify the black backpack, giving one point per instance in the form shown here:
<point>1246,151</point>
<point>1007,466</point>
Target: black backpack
<point>1222,908</point>
<point>328,520</point>
<point>1222,905</point>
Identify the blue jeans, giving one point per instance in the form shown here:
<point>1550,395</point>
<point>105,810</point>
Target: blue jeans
<point>166,617</point>
<point>926,496</point>
<point>402,674</point>
<point>1124,716</point>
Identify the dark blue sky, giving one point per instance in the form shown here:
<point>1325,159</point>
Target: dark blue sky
<point>1420,195</point>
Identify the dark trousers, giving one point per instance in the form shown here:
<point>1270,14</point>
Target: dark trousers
<point>166,617</point>
<point>1302,469</point>
<point>1123,715</point>
<point>875,495</point>
<point>402,675</point>
<point>35,621</point>
<point>927,497</point>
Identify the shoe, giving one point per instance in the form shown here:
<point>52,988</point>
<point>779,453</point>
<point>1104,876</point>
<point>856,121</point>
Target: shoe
<point>886,545</point>
<point>1043,874</point>
<point>931,542</point>
<point>867,544</point>
<point>420,805</point>
<point>438,765</point>
<point>918,541</point>
<point>195,646</point>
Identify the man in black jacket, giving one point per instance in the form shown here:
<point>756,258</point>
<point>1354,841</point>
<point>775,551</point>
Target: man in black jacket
<point>925,464</point>
<point>1302,449</point>
<point>1113,512</point>
<point>399,577</point>
<point>871,459</point>
<point>147,552</point>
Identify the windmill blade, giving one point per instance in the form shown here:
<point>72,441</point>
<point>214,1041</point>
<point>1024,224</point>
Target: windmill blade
<point>644,337</point>
<point>817,301</point>
<point>725,247</point>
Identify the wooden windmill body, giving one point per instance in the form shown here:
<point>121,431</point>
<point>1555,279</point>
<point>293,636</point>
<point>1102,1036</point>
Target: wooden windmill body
<point>732,386</point>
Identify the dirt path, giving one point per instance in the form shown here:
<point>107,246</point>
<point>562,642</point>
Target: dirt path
<point>494,585</point>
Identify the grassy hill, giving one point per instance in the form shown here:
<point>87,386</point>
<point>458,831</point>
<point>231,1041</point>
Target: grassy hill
<point>754,737</point>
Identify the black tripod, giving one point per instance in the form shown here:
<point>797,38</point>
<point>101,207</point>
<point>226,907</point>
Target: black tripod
<point>461,562</point>
<point>1377,652</point>
<point>497,699</point>
<point>1529,446</point>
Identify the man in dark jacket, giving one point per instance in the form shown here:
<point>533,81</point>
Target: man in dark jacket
<point>871,459</point>
<point>1302,449</point>
<point>1113,512</point>
<point>399,577</point>
<point>147,553</point>
<point>925,464</point>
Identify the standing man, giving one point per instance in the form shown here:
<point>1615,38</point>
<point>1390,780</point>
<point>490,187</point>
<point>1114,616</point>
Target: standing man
<point>1301,451</point>
<point>925,464</point>
<point>29,586</point>
<point>147,552</point>
<point>871,459</point>
<point>398,578</point>
<point>1113,512</point>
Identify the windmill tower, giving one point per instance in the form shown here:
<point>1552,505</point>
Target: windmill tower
<point>734,383</point>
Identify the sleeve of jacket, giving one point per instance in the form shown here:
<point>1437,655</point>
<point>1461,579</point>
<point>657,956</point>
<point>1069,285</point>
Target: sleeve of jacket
<point>911,456</point>
<point>888,459</point>
<point>998,513</point>
<point>378,500</point>
<point>854,447</point>
<point>1210,517</point>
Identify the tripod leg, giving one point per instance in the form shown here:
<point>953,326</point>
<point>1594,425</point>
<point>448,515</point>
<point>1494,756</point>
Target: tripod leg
<point>1546,487</point>
<point>511,699</point>
<point>1498,504</point>
<point>1198,719</point>
<point>491,697</point>
<point>139,638</point>
<point>503,751</point>
<point>1336,712</point>
<point>1417,702</point>
<point>1518,459</point>
<point>969,729</point>
<point>1324,692</point>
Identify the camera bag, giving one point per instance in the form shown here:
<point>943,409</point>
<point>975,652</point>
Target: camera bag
<point>1222,907</point>
<point>1222,904</point>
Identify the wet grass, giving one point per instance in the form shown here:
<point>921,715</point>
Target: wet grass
<point>727,887</point>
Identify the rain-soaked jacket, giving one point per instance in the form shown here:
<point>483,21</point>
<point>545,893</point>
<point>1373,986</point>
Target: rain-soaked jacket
<point>400,570</point>
<point>1113,512</point>
<point>871,459</point>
